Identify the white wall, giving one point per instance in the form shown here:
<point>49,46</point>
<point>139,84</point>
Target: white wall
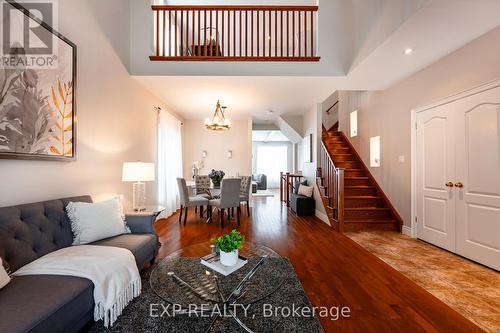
<point>312,125</point>
<point>116,119</point>
<point>332,117</point>
<point>388,113</point>
<point>238,139</point>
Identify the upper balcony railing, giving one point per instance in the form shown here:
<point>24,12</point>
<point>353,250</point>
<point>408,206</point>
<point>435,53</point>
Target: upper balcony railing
<point>235,33</point>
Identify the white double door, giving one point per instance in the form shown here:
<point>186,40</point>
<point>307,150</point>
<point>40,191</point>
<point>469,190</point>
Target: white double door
<point>458,175</point>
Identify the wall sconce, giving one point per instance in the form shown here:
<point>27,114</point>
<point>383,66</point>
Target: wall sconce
<point>204,154</point>
<point>229,154</point>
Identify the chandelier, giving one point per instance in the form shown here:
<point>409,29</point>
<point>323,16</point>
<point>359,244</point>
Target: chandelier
<point>219,122</point>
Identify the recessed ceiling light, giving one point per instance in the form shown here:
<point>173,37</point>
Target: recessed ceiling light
<point>408,51</point>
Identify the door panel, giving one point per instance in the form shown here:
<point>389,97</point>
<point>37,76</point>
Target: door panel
<point>485,229</point>
<point>435,167</point>
<point>478,168</point>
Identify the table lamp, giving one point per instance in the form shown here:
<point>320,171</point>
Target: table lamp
<point>139,173</point>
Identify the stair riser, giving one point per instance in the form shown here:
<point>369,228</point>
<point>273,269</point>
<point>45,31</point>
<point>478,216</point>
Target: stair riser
<point>354,173</point>
<point>343,158</point>
<point>356,214</point>
<point>348,165</point>
<point>352,192</point>
<point>332,146</point>
<point>362,202</point>
<point>335,138</point>
<point>357,182</point>
<point>336,151</point>
<point>331,134</point>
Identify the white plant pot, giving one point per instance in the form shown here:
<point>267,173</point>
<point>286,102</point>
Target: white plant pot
<point>229,258</point>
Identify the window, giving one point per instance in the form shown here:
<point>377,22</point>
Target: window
<point>271,160</point>
<point>354,123</point>
<point>375,152</point>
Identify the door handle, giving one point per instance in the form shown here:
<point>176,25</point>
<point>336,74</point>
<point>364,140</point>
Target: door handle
<point>449,184</point>
<point>459,185</point>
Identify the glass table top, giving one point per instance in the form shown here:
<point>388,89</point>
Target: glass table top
<point>181,279</point>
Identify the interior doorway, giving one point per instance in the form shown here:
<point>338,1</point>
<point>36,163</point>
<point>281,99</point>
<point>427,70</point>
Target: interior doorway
<point>272,154</point>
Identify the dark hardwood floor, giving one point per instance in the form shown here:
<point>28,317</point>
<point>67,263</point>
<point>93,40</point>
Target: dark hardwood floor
<point>333,269</point>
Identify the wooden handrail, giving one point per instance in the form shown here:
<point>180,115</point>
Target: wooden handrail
<point>333,183</point>
<point>234,33</point>
<point>331,107</point>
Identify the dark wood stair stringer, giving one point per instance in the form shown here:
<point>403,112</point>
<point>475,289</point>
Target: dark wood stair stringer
<point>367,207</point>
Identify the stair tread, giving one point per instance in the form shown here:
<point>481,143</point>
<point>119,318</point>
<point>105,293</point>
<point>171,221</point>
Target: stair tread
<point>371,221</point>
<point>367,208</point>
<point>357,178</point>
<point>362,197</point>
<point>360,186</point>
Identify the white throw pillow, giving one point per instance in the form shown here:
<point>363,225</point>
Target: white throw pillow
<point>4,277</point>
<point>91,222</point>
<point>306,191</point>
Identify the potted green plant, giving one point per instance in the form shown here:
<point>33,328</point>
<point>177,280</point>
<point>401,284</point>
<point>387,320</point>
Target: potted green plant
<point>216,176</point>
<point>228,246</point>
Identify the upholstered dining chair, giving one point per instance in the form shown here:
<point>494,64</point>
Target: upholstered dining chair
<point>246,184</point>
<point>202,184</point>
<point>229,198</point>
<point>187,201</point>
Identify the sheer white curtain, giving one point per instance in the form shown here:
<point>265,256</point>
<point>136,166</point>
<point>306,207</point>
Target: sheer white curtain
<point>271,160</point>
<point>169,161</point>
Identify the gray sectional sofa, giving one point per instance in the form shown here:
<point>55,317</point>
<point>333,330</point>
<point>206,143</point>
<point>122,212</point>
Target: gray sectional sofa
<point>50,303</point>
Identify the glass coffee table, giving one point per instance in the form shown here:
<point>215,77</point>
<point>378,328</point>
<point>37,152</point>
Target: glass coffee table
<point>180,279</point>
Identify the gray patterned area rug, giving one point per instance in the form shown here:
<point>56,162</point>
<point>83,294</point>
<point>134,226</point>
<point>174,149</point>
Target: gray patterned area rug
<point>136,317</point>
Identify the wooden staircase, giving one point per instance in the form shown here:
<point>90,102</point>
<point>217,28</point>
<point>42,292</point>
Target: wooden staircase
<point>355,202</point>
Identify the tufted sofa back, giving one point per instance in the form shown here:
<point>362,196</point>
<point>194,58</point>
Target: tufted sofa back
<point>30,231</point>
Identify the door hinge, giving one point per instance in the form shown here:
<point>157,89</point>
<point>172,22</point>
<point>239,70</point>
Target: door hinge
<point>416,220</point>
<point>416,126</point>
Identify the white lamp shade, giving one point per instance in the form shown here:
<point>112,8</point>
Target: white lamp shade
<point>138,172</point>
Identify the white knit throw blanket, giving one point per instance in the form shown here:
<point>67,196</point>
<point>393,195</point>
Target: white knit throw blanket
<point>112,270</point>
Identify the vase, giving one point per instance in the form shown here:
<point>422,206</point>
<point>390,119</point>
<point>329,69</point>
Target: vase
<point>216,185</point>
<point>229,258</point>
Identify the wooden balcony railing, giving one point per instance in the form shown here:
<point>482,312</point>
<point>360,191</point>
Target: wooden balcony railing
<point>332,183</point>
<point>288,184</point>
<point>235,33</point>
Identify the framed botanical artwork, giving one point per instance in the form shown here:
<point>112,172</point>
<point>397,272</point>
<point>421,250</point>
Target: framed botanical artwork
<point>37,96</point>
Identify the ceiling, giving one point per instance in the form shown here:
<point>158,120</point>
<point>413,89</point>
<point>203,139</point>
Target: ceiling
<point>268,136</point>
<point>196,97</point>
<point>433,28</point>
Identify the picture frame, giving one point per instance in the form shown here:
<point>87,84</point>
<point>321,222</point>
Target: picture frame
<point>44,127</point>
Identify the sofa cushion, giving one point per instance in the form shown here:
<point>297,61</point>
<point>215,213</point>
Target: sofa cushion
<point>91,222</point>
<point>30,231</point>
<point>45,303</point>
<point>143,246</point>
<point>306,191</point>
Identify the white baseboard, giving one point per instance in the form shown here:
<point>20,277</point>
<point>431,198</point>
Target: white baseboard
<point>409,231</point>
<point>322,216</point>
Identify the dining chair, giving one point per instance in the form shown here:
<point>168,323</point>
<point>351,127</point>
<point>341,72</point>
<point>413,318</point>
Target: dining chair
<point>246,183</point>
<point>202,186</point>
<point>229,198</point>
<point>187,201</point>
